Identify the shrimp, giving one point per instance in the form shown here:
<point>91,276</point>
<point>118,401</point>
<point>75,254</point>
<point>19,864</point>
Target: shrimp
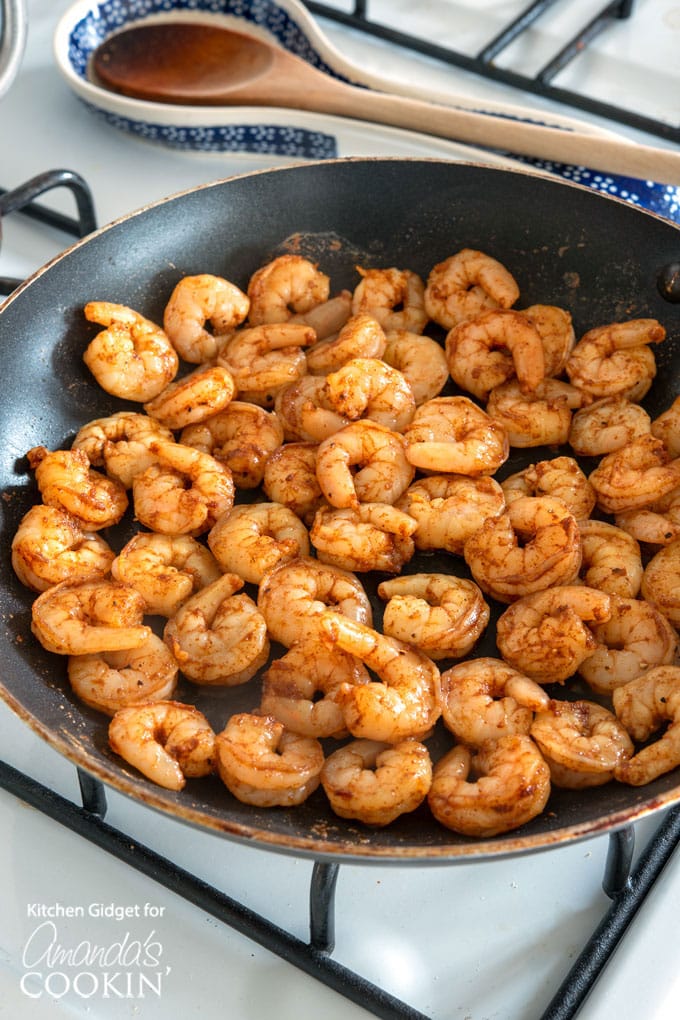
<point>121,444</point>
<point>195,301</point>
<point>384,471</point>
<point>361,336</point>
<point>109,681</point>
<point>264,358</point>
<point>327,318</point>
<point>167,741</point>
<point>450,508</point>
<point>263,763</point>
<point>492,349</point>
<point>67,481</point>
<point>611,559</point>
<point>374,536</point>
<point>218,637</point>
<point>467,284</point>
<point>667,428</point>
<point>50,546</point>
<point>184,493</point>
<point>454,435</point>
<point>290,479</point>
<point>376,782</point>
<point>369,388</point>
<point>533,545</point>
<point>555,328</point>
<point>547,635</point>
<point>204,392</point>
<point>252,538</point>
<point>293,596</point>
<point>76,618</point>
<point>243,436</point>
<point>165,569</point>
<point>660,582</point>
<point>615,360</point>
<point>542,418</point>
<point>440,615</point>
<point>503,785</point>
<point>656,524</point>
<point>288,285</point>
<point>484,699</point>
<point>405,702</point>
<point>583,743</point>
<point>301,688</point>
<point>395,297</point>
<point>635,638</point>
<point>421,360</point>
<point>132,358</point>
<point>637,474</point>
<point>305,411</point>
<point>644,705</point>
<point>561,477</point>
<point>607,425</point>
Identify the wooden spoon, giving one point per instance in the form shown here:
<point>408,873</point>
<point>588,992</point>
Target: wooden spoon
<point>190,63</point>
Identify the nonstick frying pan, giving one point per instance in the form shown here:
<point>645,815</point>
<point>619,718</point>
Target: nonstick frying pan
<point>600,258</point>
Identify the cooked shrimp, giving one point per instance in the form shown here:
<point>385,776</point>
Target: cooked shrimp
<point>196,301</point>
<point>541,418</point>
<point>440,615</point>
<point>615,360</point>
<point>644,705</point>
<point>421,360</point>
<point>637,474</point>
<point>376,782</point>
<point>167,741</point>
<point>76,618</point>
<point>484,699</point>
<point>454,435</point>
<point>305,411</point>
<point>561,477</point>
<point>109,681</point>
<point>184,493</point>
<point>362,336</point>
<point>50,546</point>
<point>667,428</point>
<point>327,318</point>
<point>547,635</point>
<point>504,785</point>
<point>290,478</point>
<point>288,285</point>
<point>607,425</point>
<point>242,436</point>
<point>294,595</point>
<point>165,569</point>
<point>611,559</point>
<point>555,328</point>
<point>263,763</point>
<point>395,297</point>
<point>369,388</point>
<point>218,637</point>
<point>405,702</point>
<point>195,397</point>
<point>450,508</point>
<point>252,538</point>
<point>493,348</point>
<point>383,474</point>
<point>656,524</point>
<point>67,481</point>
<point>264,358</point>
<point>584,741</point>
<point>533,545</point>
<point>132,358</point>
<point>467,284</point>
<point>660,582</point>
<point>635,638</point>
<point>121,444</point>
<point>374,536</point>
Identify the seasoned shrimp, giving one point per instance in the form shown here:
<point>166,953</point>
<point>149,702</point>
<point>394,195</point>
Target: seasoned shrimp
<point>607,425</point>
<point>109,681</point>
<point>533,545</point>
<point>660,582</point>
<point>611,559</point>
<point>450,508</point>
<point>454,435</point>
<point>667,428</point>
<point>420,359</point>
<point>121,444</point>
<point>374,536</point>
<point>290,479</point>
<point>293,596</point>
<point>195,397</point>
<point>243,436</point>
<point>493,348</point>
<point>288,285</point>
<point>263,763</point>
<point>327,318</point>
<point>384,471</point>
<point>395,297</point>
<point>484,699</point>
<point>467,284</point>
<point>656,524</point>
<point>167,741</point>
<point>184,493</point>
<point>362,336</point>
<point>305,411</point>
<point>615,360</point>
<point>503,785</point>
<point>252,538</point>
<point>541,418</point>
<point>405,702</point>
<point>196,301</point>
<point>76,618</point>
<point>376,782</point>
<point>547,635</point>
<point>644,705</point>
<point>67,481</point>
<point>50,546</point>
<point>561,477</point>
<point>262,359</point>
<point>582,742</point>
<point>369,388</point>
<point>637,474</point>
<point>132,358</point>
<point>440,615</point>
<point>557,334</point>
<point>635,638</point>
<point>165,569</point>
<point>218,637</point>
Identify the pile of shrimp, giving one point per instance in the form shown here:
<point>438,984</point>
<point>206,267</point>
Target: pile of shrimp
<point>329,408</point>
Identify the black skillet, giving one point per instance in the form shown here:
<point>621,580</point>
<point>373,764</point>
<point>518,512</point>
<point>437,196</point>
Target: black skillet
<point>597,257</point>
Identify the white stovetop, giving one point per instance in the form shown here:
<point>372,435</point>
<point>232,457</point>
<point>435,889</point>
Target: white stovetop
<point>487,941</point>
